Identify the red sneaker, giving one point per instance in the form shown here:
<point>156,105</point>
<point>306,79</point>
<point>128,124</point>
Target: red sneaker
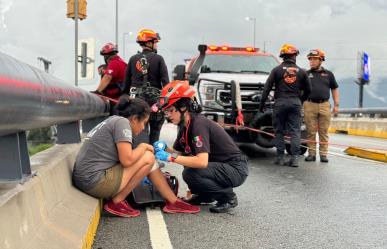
<point>181,207</point>
<point>122,209</point>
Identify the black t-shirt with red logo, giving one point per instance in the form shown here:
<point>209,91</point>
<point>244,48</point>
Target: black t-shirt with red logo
<point>157,70</point>
<point>322,81</point>
<point>289,81</point>
<point>206,136</point>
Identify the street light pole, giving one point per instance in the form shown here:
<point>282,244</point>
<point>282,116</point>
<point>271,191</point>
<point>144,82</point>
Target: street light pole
<point>117,23</point>
<point>76,40</point>
<point>248,18</point>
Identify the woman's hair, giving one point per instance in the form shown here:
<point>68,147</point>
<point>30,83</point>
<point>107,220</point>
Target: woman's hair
<point>191,104</point>
<point>128,107</point>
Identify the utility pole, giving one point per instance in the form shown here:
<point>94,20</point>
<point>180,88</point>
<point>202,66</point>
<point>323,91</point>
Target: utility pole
<point>76,40</point>
<point>117,23</point>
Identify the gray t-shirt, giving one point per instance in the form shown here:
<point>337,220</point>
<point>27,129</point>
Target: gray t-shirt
<point>99,151</point>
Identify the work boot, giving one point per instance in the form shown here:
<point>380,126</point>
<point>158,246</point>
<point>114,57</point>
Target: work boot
<point>224,207</point>
<point>293,161</point>
<point>199,199</point>
<point>310,158</point>
<point>279,160</point>
<point>324,159</point>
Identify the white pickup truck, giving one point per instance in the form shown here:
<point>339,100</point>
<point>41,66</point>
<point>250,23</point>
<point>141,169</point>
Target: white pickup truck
<point>224,75</point>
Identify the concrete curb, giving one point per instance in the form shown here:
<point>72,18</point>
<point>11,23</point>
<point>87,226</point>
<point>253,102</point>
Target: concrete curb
<point>47,211</point>
<point>368,154</point>
<point>369,127</point>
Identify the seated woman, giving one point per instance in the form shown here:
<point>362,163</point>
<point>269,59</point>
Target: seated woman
<point>213,164</point>
<point>108,167</point>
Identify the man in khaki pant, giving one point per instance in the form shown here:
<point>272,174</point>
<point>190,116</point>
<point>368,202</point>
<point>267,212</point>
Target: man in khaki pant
<point>317,108</point>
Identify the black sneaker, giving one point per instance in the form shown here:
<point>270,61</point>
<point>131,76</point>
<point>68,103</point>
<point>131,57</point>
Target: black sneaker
<point>310,158</point>
<point>279,160</point>
<point>224,207</point>
<point>199,199</point>
<point>293,161</point>
<point>324,159</point>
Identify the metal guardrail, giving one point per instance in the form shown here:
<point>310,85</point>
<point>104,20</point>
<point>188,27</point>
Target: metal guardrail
<point>371,112</point>
<point>33,99</point>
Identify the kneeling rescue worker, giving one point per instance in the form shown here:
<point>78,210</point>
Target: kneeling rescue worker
<point>213,164</point>
<point>108,167</point>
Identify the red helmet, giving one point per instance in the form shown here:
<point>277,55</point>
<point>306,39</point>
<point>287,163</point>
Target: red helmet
<point>108,48</point>
<point>288,49</point>
<point>147,35</point>
<point>316,53</point>
<point>174,91</point>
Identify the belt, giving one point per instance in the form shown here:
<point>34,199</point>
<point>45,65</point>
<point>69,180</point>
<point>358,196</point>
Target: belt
<point>318,100</point>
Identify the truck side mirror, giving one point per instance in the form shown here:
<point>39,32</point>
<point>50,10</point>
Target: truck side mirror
<point>179,72</point>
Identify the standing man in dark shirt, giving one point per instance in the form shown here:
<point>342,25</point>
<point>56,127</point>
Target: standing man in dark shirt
<point>213,164</point>
<point>317,109</point>
<point>145,76</point>
<point>292,86</point>
<point>112,73</point>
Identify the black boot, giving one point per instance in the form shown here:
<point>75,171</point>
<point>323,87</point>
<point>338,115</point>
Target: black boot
<point>279,160</point>
<point>324,159</point>
<point>310,158</point>
<point>293,162</point>
<point>224,207</point>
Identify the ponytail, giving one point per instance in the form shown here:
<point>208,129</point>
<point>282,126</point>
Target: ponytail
<point>128,107</point>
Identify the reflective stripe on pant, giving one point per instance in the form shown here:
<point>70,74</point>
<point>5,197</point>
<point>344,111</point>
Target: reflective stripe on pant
<point>287,120</point>
<point>317,119</point>
<point>217,180</point>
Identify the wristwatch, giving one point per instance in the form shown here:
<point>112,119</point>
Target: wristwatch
<point>174,156</point>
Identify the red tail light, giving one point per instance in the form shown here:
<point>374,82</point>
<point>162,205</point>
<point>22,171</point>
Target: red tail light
<point>213,48</point>
<point>250,49</point>
<point>225,48</point>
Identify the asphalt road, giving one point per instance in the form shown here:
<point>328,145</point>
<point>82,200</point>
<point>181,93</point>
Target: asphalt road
<point>342,204</point>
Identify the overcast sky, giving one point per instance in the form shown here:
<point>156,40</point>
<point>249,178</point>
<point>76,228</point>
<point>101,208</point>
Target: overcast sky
<point>29,29</point>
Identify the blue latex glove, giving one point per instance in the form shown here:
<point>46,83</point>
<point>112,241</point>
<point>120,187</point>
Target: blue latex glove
<point>159,146</point>
<point>163,156</point>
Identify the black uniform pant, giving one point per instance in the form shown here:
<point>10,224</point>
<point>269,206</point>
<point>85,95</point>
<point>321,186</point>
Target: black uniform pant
<point>287,121</point>
<point>216,182</point>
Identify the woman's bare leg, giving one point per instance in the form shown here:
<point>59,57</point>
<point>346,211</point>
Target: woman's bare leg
<point>158,179</point>
<point>132,175</point>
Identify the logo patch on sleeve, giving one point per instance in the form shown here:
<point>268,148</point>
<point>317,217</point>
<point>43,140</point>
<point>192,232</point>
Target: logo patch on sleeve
<point>198,141</point>
<point>127,133</point>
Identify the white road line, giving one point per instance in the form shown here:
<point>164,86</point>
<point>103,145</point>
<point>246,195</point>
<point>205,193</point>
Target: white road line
<point>158,229</point>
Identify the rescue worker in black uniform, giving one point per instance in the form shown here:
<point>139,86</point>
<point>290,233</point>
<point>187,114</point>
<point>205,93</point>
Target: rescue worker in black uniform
<point>145,76</point>
<point>213,164</point>
<point>292,87</point>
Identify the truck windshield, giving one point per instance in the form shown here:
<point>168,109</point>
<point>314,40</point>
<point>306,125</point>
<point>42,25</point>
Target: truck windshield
<point>239,63</point>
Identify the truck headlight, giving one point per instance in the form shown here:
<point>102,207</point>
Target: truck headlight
<point>208,92</point>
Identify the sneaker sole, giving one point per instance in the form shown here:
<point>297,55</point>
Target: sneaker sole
<point>111,211</point>
<point>168,211</point>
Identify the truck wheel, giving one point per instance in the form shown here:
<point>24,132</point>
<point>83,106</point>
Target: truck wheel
<point>303,149</point>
